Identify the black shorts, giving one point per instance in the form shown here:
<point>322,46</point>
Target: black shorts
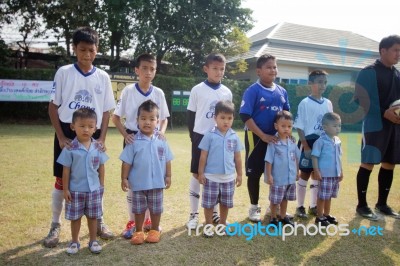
<point>255,154</point>
<point>194,165</point>
<point>381,146</point>
<point>69,133</point>
<point>305,164</point>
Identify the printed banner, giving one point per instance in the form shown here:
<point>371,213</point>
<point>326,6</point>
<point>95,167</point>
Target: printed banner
<point>25,90</point>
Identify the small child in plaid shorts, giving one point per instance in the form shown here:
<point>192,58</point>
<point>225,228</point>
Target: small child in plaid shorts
<point>83,178</point>
<point>219,158</point>
<point>282,168</point>
<point>326,157</point>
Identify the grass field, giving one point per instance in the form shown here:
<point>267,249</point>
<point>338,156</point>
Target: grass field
<point>25,191</point>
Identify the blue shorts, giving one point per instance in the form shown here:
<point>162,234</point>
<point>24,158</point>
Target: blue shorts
<point>215,192</point>
<point>328,188</point>
<point>84,203</point>
<point>151,199</point>
<point>279,193</point>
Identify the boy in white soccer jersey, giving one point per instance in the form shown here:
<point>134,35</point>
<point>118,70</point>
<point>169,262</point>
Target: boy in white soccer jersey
<point>200,114</point>
<point>308,124</point>
<point>79,85</point>
<point>132,97</point>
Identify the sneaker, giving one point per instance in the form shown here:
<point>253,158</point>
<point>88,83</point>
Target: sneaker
<point>53,237</point>
<point>287,220</point>
<point>147,225</point>
<point>366,212</point>
<point>312,211</point>
<point>209,233</point>
<point>331,219</point>
<point>255,214</point>
<point>386,210</point>
<point>73,248</point>
<point>103,232</point>
<point>322,221</point>
<point>95,247</point>
<point>137,238</point>
<point>301,212</point>
<point>193,221</point>
<point>153,236</point>
<point>129,230</point>
<point>274,221</point>
<point>215,217</point>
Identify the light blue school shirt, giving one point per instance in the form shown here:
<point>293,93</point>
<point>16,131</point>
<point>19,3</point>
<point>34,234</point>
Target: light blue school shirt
<point>148,157</point>
<point>283,157</point>
<point>221,151</point>
<point>329,153</point>
<point>84,164</point>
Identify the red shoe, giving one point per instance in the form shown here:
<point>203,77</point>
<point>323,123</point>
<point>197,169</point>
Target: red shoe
<point>129,230</point>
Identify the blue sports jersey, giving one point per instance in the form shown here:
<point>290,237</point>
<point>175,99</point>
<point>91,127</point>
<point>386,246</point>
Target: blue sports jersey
<point>262,104</point>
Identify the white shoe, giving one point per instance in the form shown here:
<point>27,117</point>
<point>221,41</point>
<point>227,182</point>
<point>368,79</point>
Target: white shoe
<point>193,221</point>
<point>255,214</point>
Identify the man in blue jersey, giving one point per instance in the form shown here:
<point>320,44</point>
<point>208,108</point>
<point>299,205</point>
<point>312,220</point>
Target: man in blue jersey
<point>260,104</point>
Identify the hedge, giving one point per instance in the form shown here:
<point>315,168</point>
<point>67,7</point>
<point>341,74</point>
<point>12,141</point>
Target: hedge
<point>341,98</point>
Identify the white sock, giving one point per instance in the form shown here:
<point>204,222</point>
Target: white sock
<point>129,205</point>
<point>301,191</point>
<point>194,195</point>
<point>216,208</point>
<point>57,203</point>
<point>314,184</point>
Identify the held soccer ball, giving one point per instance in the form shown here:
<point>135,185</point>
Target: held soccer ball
<point>396,104</point>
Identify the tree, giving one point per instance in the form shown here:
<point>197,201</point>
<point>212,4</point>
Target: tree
<point>192,28</point>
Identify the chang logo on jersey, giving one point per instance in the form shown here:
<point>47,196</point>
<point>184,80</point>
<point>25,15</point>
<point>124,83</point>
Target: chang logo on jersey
<point>210,113</point>
<point>81,96</point>
<point>318,125</point>
<point>97,89</point>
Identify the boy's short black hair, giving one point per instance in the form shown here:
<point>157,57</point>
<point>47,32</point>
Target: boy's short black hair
<point>148,106</point>
<point>316,73</point>
<point>215,57</point>
<point>263,59</point>
<point>283,114</point>
<point>84,113</point>
<point>224,107</point>
<point>144,57</point>
<point>388,42</point>
<point>330,117</point>
<point>85,34</point>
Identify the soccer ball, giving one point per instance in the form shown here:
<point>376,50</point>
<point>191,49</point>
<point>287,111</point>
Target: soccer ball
<point>396,104</point>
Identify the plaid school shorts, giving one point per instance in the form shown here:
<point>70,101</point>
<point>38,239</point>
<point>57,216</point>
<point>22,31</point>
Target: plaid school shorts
<point>279,193</point>
<point>84,203</point>
<point>215,192</point>
<point>328,188</point>
<point>152,199</point>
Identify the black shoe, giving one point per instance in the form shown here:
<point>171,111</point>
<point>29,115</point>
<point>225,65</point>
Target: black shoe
<point>287,220</point>
<point>312,211</point>
<point>331,219</point>
<point>366,212</point>
<point>322,221</point>
<point>274,221</point>
<point>386,210</point>
<point>301,212</point>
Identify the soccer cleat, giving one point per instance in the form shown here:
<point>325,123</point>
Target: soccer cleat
<point>103,232</point>
<point>129,230</point>
<point>255,214</point>
<point>386,210</point>
<point>193,221</point>
<point>301,212</point>
<point>331,219</point>
<point>53,237</point>
<point>366,212</point>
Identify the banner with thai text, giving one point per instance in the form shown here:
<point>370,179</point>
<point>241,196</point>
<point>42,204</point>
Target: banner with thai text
<point>25,90</point>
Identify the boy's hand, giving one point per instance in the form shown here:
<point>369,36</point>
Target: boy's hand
<point>270,180</point>
<point>64,142</point>
<point>167,182</point>
<point>161,136</point>
<point>307,152</point>
<point>201,178</point>
<point>269,138</point>
<point>129,138</point>
<point>316,175</point>
<point>67,196</point>
<point>125,185</point>
<point>238,180</point>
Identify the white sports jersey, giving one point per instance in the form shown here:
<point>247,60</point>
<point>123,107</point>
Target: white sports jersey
<point>310,113</point>
<point>132,97</point>
<point>202,100</point>
<point>72,89</point>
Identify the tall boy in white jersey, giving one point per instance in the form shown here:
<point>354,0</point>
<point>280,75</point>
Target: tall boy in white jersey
<point>309,127</point>
<point>79,85</point>
<point>200,113</point>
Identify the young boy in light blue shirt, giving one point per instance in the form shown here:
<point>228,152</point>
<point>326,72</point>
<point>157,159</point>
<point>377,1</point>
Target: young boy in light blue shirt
<point>220,165</point>
<point>281,167</point>
<point>83,178</point>
<point>146,170</point>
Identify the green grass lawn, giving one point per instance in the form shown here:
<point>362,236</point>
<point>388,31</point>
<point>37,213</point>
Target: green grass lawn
<point>26,183</point>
